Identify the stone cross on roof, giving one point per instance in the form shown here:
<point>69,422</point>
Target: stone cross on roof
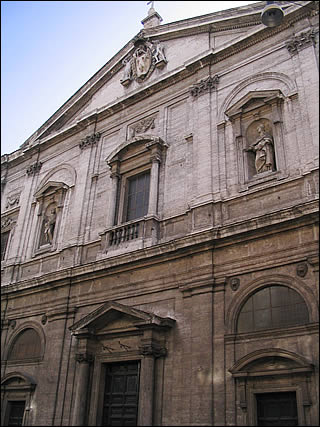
<point>153,19</point>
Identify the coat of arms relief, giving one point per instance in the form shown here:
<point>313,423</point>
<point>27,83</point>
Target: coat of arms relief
<point>147,56</point>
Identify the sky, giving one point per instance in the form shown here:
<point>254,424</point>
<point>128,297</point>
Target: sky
<point>49,49</point>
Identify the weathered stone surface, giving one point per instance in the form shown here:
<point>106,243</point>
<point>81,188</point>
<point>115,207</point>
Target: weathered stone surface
<point>166,289</point>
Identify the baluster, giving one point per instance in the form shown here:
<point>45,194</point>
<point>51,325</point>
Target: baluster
<point>119,235</point>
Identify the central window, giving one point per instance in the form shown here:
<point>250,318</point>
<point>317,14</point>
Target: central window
<point>137,198</point>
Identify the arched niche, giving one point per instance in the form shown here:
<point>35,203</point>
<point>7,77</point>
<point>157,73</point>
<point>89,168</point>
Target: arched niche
<point>51,199</point>
<point>257,128</point>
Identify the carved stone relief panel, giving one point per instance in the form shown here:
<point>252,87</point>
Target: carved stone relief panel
<point>13,200</point>
<point>145,125</point>
<point>146,56</point>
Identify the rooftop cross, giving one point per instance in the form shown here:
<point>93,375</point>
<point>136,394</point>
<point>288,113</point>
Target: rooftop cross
<point>152,5</point>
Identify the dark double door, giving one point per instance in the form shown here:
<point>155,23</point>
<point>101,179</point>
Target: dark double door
<point>121,394</point>
<point>277,409</point>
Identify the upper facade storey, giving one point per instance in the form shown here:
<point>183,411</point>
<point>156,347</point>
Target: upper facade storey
<point>195,125</point>
<point>120,83</point>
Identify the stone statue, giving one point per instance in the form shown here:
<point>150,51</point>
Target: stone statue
<point>49,225</point>
<point>263,148</point>
<point>158,53</point>
<point>127,70</point>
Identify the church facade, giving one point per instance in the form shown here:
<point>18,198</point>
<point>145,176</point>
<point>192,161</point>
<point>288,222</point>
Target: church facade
<point>159,234</point>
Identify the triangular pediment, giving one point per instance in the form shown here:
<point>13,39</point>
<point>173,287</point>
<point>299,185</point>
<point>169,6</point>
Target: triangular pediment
<point>113,316</point>
<point>106,92</point>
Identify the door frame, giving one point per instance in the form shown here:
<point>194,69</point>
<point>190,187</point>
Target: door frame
<point>252,401</point>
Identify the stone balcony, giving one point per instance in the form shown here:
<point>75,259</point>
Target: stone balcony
<point>131,235</point>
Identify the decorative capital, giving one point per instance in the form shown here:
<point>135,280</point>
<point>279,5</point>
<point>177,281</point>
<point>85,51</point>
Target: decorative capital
<point>89,140</point>
<point>84,358</point>
<point>153,350</point>
<point>300,41</point>
<point>34,168</point>
<point>204,85</point>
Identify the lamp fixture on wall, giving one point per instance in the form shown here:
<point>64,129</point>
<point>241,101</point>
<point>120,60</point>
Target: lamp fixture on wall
<point>272,15</point>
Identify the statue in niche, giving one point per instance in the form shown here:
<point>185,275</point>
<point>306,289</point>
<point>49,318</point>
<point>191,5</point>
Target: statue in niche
<point>49,225</point>
<point>263,148</point>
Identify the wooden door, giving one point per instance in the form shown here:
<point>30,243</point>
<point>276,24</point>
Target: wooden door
<point>277,409</point>
<point>121,394</point>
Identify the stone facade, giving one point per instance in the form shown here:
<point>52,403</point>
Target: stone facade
<point>219,117</point>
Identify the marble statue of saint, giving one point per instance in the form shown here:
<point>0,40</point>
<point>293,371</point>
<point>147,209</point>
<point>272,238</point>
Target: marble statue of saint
<point>49,225</point>
<point>264,151</point>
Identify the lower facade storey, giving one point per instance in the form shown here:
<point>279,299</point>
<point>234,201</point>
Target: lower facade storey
<point>218,332</point>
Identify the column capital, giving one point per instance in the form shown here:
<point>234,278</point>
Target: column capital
<point>153,350</point>
<point>84,358</point>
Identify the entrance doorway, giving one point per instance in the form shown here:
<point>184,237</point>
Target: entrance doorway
<point>121,394</point>
<point>277,409</point>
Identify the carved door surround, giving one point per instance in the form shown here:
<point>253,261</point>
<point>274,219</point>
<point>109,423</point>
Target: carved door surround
<point>50,199</point>
<point>272,370</point>
<point>116,333</point>
<point>254,109</point>
<point>17,387</point>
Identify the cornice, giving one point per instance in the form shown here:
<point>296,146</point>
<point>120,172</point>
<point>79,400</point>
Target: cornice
<point>203,240</point>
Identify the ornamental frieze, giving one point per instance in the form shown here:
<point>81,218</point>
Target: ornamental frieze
<point>204,85</point>
<point>89,140</point>
<point>147,56</point>
<point>300,41</point>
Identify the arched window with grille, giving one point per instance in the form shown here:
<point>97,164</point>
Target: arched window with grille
<point>26,346</point>
<point>272,307</point>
